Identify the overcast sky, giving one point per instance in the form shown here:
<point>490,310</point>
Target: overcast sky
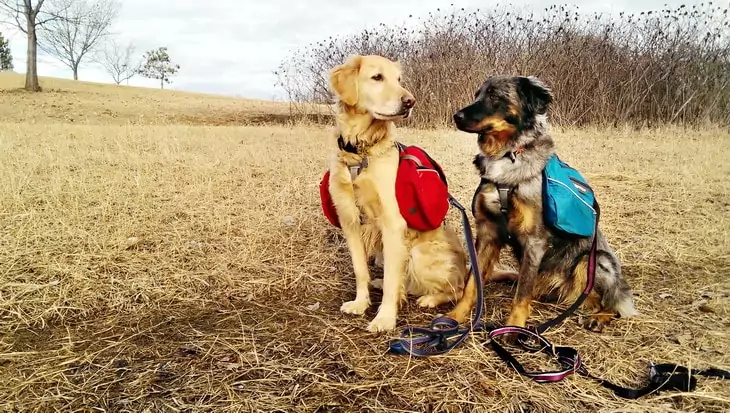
<point>232,46</point>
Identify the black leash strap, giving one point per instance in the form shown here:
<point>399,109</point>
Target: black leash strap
<point>662,377</point>
<point>590,278</point>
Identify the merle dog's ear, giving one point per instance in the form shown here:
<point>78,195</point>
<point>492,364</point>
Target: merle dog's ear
<point>535,94</point>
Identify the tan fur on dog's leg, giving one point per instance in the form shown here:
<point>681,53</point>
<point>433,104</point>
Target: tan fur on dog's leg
<point>463,307</point>
<point>437,268</point>
<point>395,257</point>
<point>362,273</point>
<point>392,229</point>
<point>394,254</point>
<point>529,267</point>
<point>349,216</point>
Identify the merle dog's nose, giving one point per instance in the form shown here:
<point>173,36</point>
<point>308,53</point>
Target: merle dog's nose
<point>459,116</point>
<point>408,101</point>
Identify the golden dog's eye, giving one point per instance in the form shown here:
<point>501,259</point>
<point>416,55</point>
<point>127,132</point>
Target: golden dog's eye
<point>377,77</point>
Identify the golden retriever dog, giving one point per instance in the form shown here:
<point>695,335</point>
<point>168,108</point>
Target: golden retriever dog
<point>431,264</point>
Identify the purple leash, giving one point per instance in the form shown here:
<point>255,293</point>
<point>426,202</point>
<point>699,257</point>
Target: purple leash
<point>443,334</point>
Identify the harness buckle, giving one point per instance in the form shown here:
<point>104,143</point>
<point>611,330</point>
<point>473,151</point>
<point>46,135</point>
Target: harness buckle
<point>503,198</point>
<point>355,170</point>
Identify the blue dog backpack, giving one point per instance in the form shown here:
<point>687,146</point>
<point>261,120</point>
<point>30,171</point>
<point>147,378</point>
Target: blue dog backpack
<point>568,200</point>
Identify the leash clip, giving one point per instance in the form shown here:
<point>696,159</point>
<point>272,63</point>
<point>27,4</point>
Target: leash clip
<point>652,371</point>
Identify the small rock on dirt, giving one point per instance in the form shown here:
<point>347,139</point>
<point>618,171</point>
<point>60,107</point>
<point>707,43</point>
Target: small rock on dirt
<point>131,242</point>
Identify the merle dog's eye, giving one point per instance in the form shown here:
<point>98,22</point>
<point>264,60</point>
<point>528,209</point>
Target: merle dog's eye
<point>494,98</point>
<point>377,77</point>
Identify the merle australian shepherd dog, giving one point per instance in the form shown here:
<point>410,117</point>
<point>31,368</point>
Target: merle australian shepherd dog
<point>508,116</point>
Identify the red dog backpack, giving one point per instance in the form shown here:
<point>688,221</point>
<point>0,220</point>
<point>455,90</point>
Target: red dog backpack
<point>420,188</point>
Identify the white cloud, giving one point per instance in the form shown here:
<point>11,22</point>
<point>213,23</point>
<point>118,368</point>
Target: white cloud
<point>233,46</point>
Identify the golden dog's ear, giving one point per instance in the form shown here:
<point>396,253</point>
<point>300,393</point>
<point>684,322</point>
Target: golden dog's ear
<point>343,79</point>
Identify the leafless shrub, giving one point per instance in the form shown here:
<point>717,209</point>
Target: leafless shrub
<point>118,61</point>
<point>665,66</point>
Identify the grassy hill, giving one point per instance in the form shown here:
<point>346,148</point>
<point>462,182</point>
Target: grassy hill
<point>79,102</point>
<point>164,251</point>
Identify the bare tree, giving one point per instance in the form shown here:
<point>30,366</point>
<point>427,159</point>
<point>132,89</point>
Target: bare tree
<point>29,16</point>
<point>82,26</point>
<point>117,60</point>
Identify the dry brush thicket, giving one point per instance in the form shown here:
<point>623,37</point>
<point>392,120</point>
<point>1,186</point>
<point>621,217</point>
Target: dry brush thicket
<point>656,67</point>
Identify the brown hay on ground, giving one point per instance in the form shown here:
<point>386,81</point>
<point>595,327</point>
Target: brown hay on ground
<point>153,267</point>
<point>179,268</point>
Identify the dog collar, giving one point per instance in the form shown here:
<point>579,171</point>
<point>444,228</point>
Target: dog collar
<point>350,148</point>
<point>512,155</point>
<point>347,147</point>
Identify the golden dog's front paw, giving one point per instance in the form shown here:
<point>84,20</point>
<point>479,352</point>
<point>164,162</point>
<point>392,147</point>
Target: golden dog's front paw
<point>382,322</point>
<point>431,301</point>
<point>460,313</point>
<point>356,307</point>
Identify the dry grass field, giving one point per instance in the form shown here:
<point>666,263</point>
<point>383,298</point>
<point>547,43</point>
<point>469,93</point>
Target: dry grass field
<point>163,252</point>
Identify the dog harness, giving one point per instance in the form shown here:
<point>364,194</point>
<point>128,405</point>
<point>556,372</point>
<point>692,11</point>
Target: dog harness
<point>421,188</point>
<point>504,192</point>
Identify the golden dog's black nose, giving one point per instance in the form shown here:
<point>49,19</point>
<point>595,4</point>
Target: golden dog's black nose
<point>408,101</point>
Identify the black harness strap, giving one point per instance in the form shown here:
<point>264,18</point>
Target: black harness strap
<point>504,193</point>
